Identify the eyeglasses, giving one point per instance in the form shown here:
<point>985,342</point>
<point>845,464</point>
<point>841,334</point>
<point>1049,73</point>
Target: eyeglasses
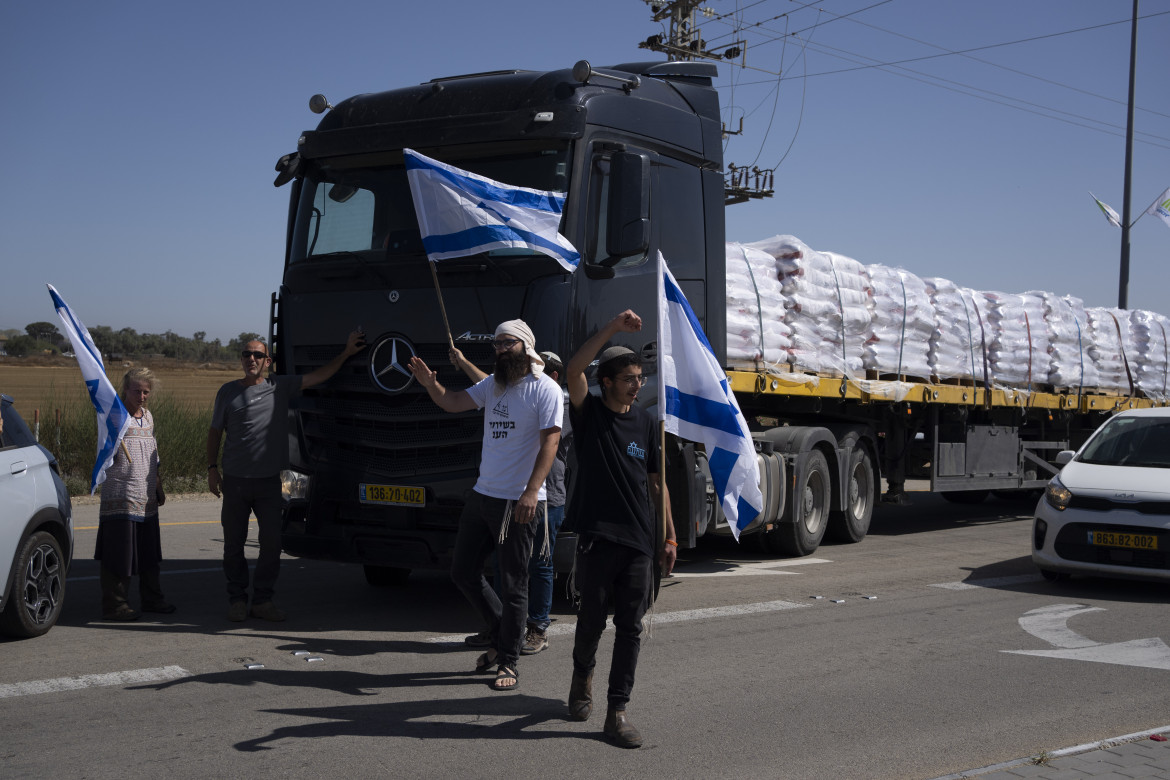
<point>633,379</point>
<point>252,353</point>
<point>505,343</point>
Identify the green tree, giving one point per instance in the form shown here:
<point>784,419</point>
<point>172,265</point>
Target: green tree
<point>44,331</point>
<point>20,346</point>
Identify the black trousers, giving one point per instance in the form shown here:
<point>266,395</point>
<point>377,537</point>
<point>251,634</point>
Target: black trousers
<point>241,497</point>
<point>606,569</point>
<point>478,535</point>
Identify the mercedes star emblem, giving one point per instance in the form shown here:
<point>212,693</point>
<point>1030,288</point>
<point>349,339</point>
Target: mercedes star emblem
<point>388,364</point>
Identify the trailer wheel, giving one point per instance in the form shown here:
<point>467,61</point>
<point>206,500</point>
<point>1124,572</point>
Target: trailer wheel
<point>851,524</point>
<point>386,576</point>
<point>806,513</point>
<point>965,496</point>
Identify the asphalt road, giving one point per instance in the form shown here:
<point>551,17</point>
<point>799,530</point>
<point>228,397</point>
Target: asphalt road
<point>908,665</point>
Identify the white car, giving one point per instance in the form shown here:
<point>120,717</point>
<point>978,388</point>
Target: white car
<point>36,530</point>
<point>1108,510</point>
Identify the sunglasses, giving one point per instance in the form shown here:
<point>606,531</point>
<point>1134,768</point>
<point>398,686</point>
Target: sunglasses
<point>250,353</point>
<point>505,343</point>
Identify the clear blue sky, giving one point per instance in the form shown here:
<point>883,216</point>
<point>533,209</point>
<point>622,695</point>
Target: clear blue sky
<point>140,137</point>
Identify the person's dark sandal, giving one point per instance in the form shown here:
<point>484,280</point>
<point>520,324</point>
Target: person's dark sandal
<point>486,661</point>
<point>504,675</point>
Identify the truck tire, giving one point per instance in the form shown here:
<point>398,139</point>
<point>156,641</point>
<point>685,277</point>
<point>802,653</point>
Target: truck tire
<point>806,513</point>
<point>38,588</point>
<point>386,576</point>
<point>851,524</point>
<point>965,496</point>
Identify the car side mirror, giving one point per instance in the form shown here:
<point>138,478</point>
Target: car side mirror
<point>1064,456</point>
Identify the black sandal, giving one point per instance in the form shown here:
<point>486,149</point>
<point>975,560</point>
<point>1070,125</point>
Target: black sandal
<point>486,661</point>
<point>506,673</point>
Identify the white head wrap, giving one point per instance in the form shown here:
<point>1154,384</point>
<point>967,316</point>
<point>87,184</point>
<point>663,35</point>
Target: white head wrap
<point>519,329</point>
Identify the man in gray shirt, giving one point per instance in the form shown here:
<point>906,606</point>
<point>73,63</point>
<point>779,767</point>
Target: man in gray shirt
<point>253,412</point>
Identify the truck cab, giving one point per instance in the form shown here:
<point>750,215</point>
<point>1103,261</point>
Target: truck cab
<point>378,472</point>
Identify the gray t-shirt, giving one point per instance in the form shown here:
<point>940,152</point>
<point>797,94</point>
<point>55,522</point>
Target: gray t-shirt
<point>554,484</point>
<point>254,420</point>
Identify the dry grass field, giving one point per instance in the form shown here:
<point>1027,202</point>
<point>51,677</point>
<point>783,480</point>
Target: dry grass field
<point>49,383</point>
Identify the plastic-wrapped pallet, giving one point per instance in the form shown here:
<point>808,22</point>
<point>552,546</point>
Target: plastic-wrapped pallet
<point>1149,352</point>
<point>1069,340</point>
<point>1018,343</point>
<point>1105,328</point>
<point>903,323</point>
<point>826,305</point>
<point>956,345</point>
<point>755,308</point>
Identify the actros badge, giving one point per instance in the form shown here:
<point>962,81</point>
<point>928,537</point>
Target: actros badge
<point>389,363</point>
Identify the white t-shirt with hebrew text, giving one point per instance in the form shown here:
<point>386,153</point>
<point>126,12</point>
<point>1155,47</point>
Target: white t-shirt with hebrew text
<point>512,421</point>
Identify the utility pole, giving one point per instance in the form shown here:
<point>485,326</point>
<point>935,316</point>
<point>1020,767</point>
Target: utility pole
<point>684,43</point>
<point>1123,283</point>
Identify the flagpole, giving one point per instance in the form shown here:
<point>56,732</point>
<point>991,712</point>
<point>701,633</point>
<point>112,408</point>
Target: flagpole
<point>660,529</point>
<point>1123,282</point>
<point>442,308</point>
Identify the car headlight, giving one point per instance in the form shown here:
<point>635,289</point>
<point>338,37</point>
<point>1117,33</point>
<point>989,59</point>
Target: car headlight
<point>294,486</point>
<point>1057,495</point>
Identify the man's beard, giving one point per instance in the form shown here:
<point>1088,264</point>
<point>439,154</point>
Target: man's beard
<point>511,366</point>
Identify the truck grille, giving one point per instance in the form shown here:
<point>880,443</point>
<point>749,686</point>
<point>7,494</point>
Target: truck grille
<point>350,425</point>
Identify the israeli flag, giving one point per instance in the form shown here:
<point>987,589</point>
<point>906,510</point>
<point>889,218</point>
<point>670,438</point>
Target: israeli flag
<point>461,213</point>
<point>697,404</point>
<point>112,417</point>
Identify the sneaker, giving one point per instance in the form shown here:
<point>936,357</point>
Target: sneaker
<point>482,639</point>
<point>535,640</point>
<point>267,611</point>
<point>123,613</point>
<point>238,611</point>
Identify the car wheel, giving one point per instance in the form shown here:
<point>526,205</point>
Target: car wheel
<point>38,588</point>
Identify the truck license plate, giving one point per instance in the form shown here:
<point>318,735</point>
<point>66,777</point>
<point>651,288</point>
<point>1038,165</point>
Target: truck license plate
<point>395,495</point>
<point>1128,541</point>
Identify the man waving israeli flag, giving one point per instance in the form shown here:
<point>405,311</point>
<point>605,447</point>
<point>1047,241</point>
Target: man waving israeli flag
<point>697,404</point>
<point>461,213</point>
<point>112,417</point>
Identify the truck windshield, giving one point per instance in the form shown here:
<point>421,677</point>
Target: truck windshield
<point>361,204</point>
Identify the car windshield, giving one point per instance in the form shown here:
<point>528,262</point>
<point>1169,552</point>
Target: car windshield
<point>359,207</point>
<point>1130,441</point>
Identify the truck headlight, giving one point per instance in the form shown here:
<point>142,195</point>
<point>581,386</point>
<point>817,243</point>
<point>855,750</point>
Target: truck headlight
<point>1057,495</point>
<point>294,486</point>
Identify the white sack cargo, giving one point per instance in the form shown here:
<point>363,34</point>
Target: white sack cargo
<point>902,323</point>
<point>756,330</point>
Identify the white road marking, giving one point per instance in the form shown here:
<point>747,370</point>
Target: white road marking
<point>92,681</point>
<point>991,582</point>
<point>747,569</point>
<point>1050,625</point>
<point>658,618</point>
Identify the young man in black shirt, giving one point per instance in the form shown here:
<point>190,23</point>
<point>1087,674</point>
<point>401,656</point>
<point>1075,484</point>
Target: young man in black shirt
<point>618,459</point>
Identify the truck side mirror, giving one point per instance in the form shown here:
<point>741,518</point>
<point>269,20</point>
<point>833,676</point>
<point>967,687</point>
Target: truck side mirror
<point>628,215</point>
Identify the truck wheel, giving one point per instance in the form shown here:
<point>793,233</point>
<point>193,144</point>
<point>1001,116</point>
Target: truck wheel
<point>806,513</point>
<point>851,524</point>
<point>965,496</point>
<point>38,588</point>
<point>386,576</point>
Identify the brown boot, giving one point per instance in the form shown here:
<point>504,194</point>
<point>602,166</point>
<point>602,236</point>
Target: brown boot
<point>620,730</point>
<point>581,697</point>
